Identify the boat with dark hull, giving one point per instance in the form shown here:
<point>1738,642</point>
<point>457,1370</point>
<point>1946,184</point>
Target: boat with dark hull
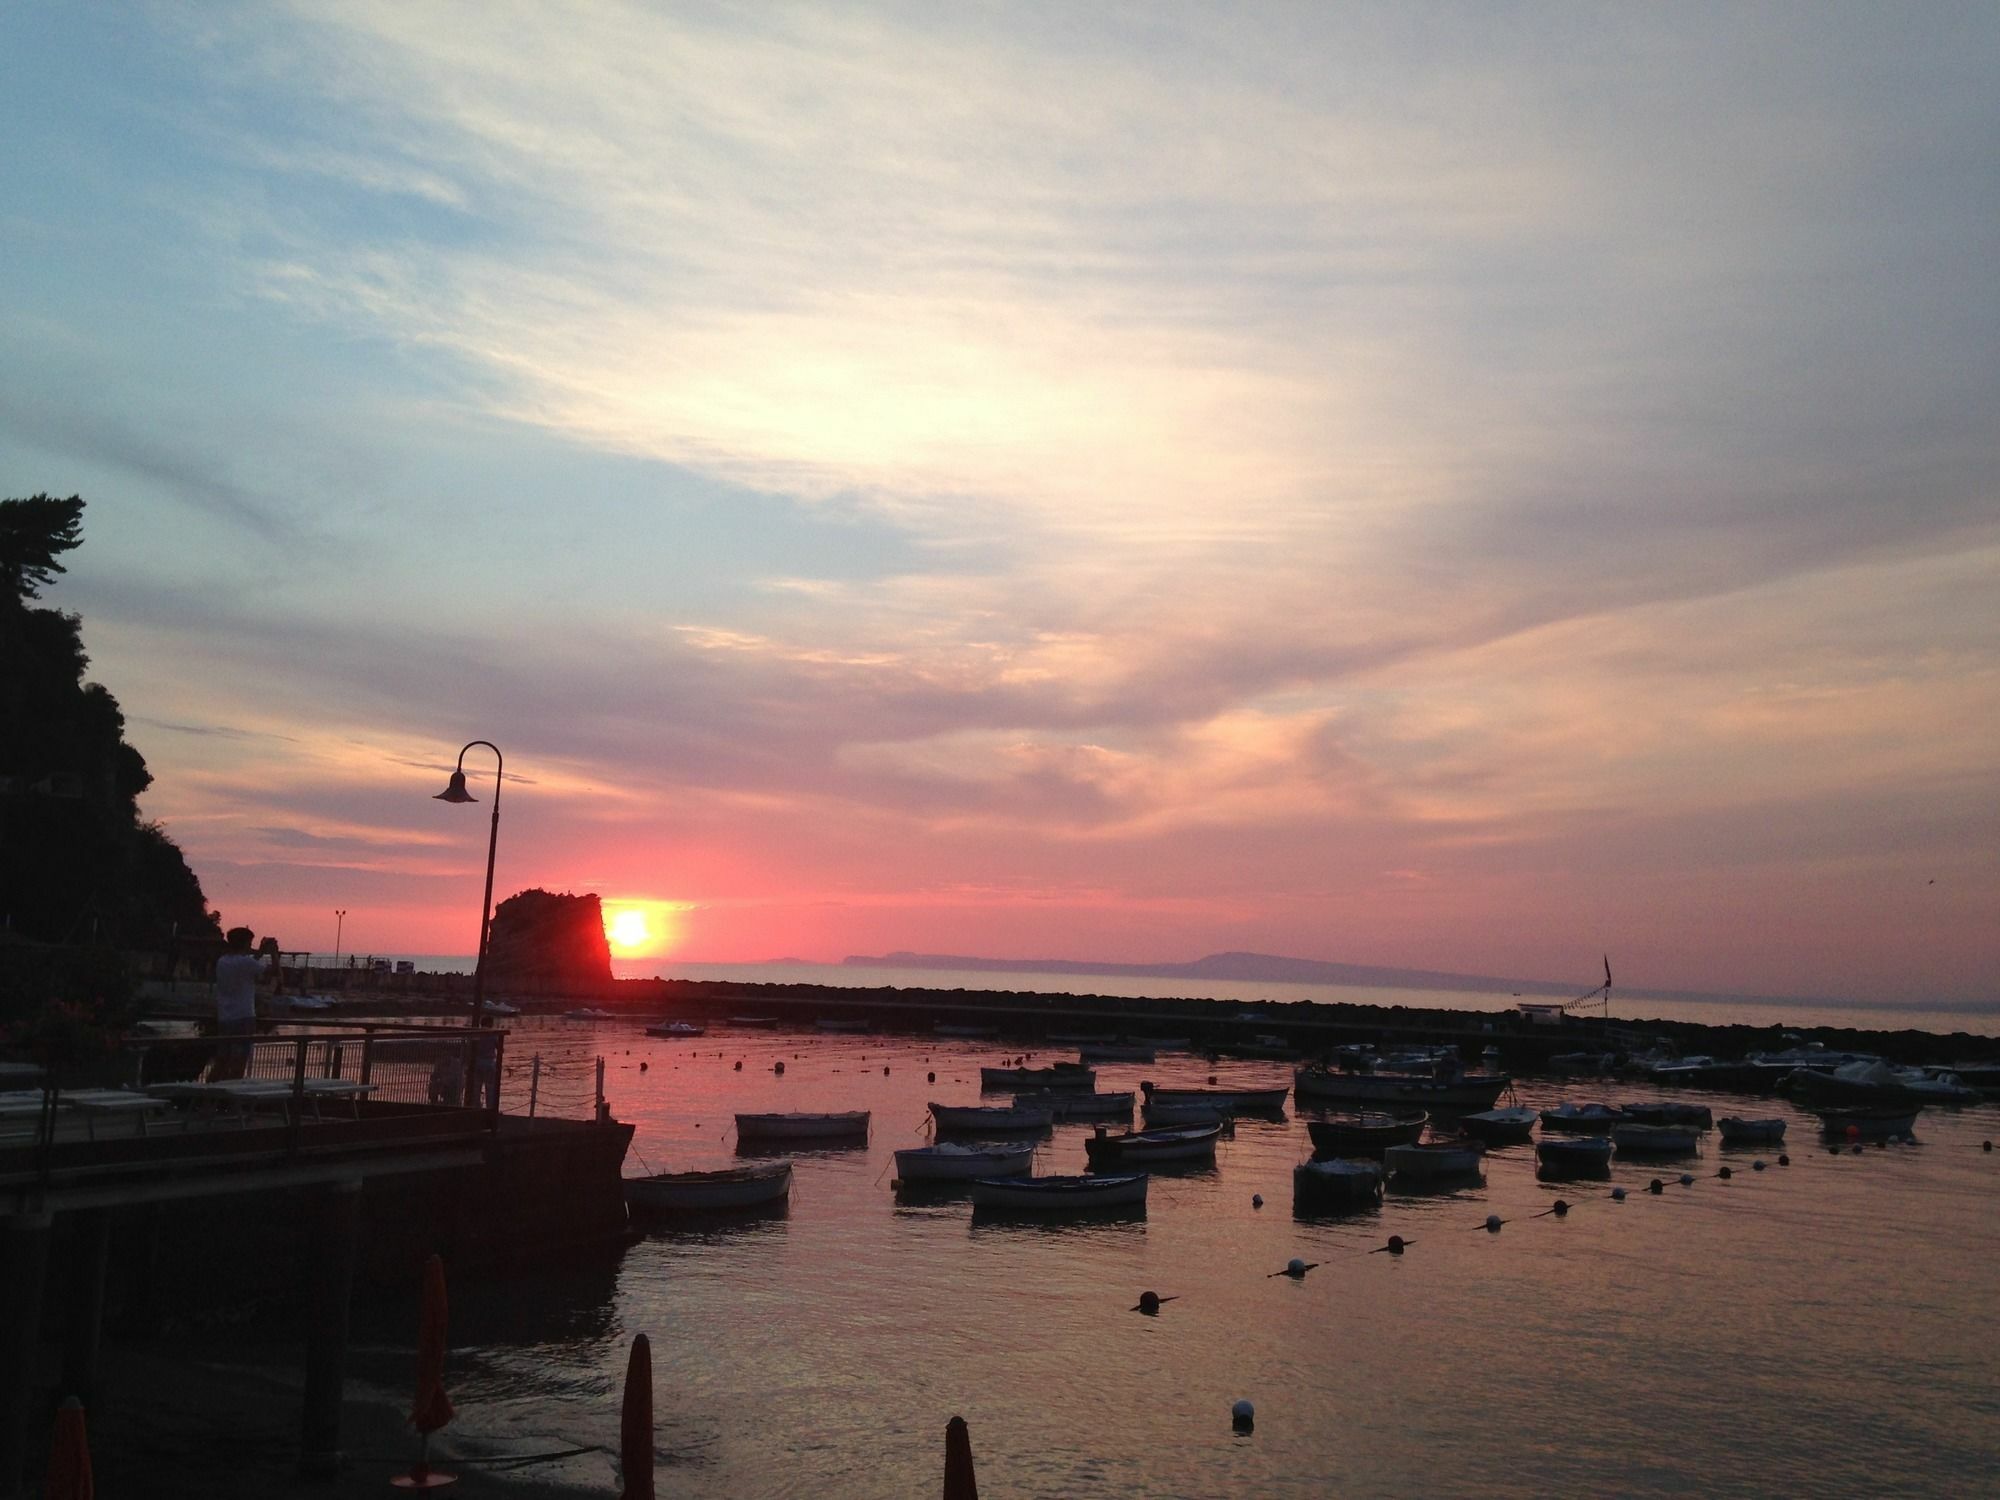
<point>1335,1183</point>
<point>707,1192</point>
<point>1500,1127</point>
<point>1233,1100</point>
<point>1147,1147</point>
<point>847,1125</point>
<point>1869,1122</point>
<point>1574,1155</point>
<point>1064,1075</point>
<point>1060,1195</point>
<point>1467,1091</point>
<point>1366,1133</point>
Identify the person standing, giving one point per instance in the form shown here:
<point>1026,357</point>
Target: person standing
<point>235,1004</point>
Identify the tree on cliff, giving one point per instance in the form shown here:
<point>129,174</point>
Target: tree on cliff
<point>81,865</point>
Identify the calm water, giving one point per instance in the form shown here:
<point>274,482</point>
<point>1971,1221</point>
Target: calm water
<point>1824,1328</point>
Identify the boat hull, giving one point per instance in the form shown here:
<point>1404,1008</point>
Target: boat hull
<point>1474,1091</point>
<point>1740,1132</point>
<point>1574,1153</point>
<point>1599,1122</point>
<point>933,1164</point>
<point>798,1127</point>
<point>1074,1104</point>
<point>1868,1124</point>
<point>1220,1099</point>
<point>1336,1184</point>
<point>1067,1077</point>
<point>1432,1163</point>
<point>684,1192</point>
<point>1500,1127</point>
<point>973,1117</point>
<point>1059,1195</point>
<point>1366,1134</point>
<point>1147,1147</point>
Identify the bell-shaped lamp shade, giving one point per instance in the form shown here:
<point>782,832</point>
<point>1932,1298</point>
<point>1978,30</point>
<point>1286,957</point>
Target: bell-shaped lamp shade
<point>456,792</point>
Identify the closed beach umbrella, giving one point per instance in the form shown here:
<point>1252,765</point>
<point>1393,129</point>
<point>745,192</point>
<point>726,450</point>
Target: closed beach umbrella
<point>958,1481</point>
<point>432,1408</point>
<point>635,1423</point>
<point>69,1456</point>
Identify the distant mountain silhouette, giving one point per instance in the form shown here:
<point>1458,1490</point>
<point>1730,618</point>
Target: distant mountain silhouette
<point>1236,968</point>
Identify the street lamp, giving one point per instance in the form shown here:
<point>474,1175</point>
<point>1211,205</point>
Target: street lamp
<point>339,921</point>
<point>455,792</point>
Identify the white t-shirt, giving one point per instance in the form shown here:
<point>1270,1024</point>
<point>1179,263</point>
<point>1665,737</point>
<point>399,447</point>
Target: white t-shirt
<point>236,986</point>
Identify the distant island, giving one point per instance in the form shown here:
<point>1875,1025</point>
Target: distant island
<point>1267,968</point>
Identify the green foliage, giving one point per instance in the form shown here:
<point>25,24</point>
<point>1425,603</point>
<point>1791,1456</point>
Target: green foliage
<point>81,867</point>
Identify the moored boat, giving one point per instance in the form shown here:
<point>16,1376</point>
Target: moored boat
<point>1336,1182</point>
<point>754,1023</point>
<point>1188,1114</point>
<point>1500,1127</point>
<point>1063,1075</point>
<point>1144,1147</point>
<point>1060,1195</point>
<point>1079,1104</point>
<point>1666,1112</point>
<point>970,1117</point>
<point>676,1029</point>
<point>968,1033</point>
<point>1103,1052</point>
<point>1740,1132</point>
<point>843,1023</point>
<point>1366,1133</point>
<point>1634,1139</point>
<point>1434,1160</point>
<point>1468,1091</point>
<point>732,1187</point>
<point>1581,1119</point>
<point>802,1127</point>
<point>1574,1153</point>
<point>1871,1123</point>
<point>588,1013</point>
<point>951,1162</point>
<point>1215,1098</point>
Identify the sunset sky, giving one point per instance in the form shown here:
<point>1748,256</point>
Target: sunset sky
<point>1470,487</point>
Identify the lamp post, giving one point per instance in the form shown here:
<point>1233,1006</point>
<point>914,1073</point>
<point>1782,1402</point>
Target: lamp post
<point>339,921</point>
<point>455,792</point>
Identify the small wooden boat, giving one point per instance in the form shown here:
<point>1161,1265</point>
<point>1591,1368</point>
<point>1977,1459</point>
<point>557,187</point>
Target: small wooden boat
<point>1654,1140</point>
<point>1740,1132</point>
<point>1434,1160</point>
<point>1468,1091</point>
<point>1233,1099</point>
<point>1366,1133</point>
<point>1077,1104</point>
<point>1500,1127</point>
<point>1059,1195</point>
<point>1574,1153</point>
<point>732,1187</point>
<point>1064,1075</point>
<point>1667,1112</point>
<point>1145,1147</point>
<point>1581,1119</point>
<point>588,1013</point>
<point>1188,1114</point>
<point>802,1127</point>
<point>676,1029</point>
<point>970,1117</point>
<point>1869,1123</point>
<point>1336,1182</point>
<point>950,1162</point>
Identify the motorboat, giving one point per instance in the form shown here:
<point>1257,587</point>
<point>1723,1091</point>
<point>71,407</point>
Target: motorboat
<point>1634,1139</point>
<point>949,1161</point>
<point>1740,1132</point>
<point>499,1008</point>
<point>1079,1104</point>
<point>1336,1182</point>
<point>676,1029</point>
<point>1869,1123</point>
<point>1064,1075</point>
<point>1581,1119</point>
<point>1434,1160</point>
<point>802,1127</point>
<point>1574,1153</point>
<point>1938,1085</point>
<point>1467,1091</point>
<point>1145,1147</point>
<point>1060,1195</point>
<point>1500,1127</point>
<point>588,1013</point>
<point>1366,1133</point>
<point>1666,1112</point>
<point>732,1187</point>
<point>1232,1099</point>
<point>979,1117</point>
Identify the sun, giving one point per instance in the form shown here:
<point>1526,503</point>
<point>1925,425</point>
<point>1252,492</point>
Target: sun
<point>628,930</point>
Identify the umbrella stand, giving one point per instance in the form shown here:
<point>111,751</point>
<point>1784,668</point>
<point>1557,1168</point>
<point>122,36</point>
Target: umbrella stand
<point>433,1407</point>
<point>422,1476</point>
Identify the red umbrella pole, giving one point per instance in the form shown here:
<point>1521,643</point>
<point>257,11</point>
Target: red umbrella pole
<point>432,1407</point>
<point>958,1481</point>
<point>69,1456</point>
<point>635,1423</point>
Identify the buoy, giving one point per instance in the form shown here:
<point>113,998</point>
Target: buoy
<point>1149,1303</point>
<point>1858,1149</point>
<point>1986,1145</point>
<point>1618,1195</point>
<point>1687,1179</point>
<point>1493,1223</point>
<point>777,1067</point>
<point>1211,1078</point>
<point>1395,1245</point>
<point>1656,1186</point>
<point>885,1070</point>
<point>1295,1267</point>
<point>739,1065</point>
<point>1559,1208</point>
<point>1723,1173</point>
<point>1784,1160</point>
<point>930,1078</point>
<point>1256,1200</point>
<point>1757,1165</point>
<point>1854,1132</point>
<point>1243,1416</point>
<point>642,1067</point>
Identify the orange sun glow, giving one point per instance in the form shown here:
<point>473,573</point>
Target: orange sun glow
<point>627,930</point>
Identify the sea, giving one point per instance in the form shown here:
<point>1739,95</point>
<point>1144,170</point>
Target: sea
<point>1976,1018</point>
<point>1819,1323</point>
